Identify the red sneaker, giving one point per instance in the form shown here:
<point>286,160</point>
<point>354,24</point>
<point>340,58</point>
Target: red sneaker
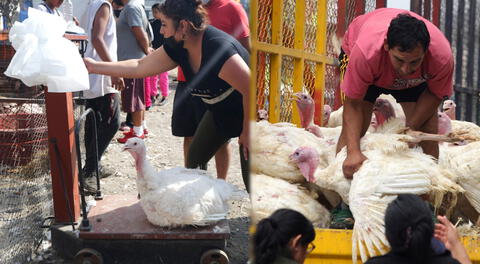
<point>128,136</point>
<point>145,132</point>
<point>130,131</point>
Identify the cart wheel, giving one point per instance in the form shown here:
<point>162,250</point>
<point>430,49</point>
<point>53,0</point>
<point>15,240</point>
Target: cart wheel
<point>88,256</point>
<point>214,256</point>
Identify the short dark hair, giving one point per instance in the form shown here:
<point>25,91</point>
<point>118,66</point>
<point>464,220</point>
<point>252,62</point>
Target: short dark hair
<point>156,6</point>
<point>189,10</point>
<point>274,232</point>
<point>118,2</point>
<point>407,32</point>
<point>409,227</point>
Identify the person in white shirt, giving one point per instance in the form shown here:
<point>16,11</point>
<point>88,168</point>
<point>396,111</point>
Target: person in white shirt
<point>99,24</point>
<point>51,7</point>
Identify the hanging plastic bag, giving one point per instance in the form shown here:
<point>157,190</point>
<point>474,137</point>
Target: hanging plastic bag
<point>44,57</point>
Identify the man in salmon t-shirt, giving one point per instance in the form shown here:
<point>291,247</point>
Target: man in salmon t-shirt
<point>397,52</point>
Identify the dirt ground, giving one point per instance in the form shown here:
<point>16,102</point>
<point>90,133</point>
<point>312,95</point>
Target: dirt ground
<point>166,151</point>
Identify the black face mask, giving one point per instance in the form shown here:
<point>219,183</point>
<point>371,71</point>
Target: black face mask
<point>171,42</point>
<point>117,13</point>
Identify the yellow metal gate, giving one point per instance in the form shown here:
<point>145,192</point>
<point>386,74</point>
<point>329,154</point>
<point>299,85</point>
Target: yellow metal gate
<point>288,55</point>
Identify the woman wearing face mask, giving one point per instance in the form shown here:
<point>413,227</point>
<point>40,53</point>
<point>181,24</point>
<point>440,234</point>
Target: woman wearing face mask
<point>283,238</point>
<point>215,66</point>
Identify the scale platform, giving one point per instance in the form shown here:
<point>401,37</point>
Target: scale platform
<point>121,233</point>
<point>122,217</point>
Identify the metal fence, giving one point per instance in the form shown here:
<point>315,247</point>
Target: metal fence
<point>459,21</point>
<point>288,54</point>
<point>25,181</point>
<point>294,49</point>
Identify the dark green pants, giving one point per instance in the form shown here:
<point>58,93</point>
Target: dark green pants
<point>206,142</point>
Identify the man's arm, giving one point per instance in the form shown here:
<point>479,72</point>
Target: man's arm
<point>135,22</point>
<point>100,23</point>
<point>142,38</point>
<point>99,27</point>
<point>354,116</point>
<point>427,105</point>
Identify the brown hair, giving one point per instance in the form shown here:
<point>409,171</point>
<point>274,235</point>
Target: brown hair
<point>190,10</point>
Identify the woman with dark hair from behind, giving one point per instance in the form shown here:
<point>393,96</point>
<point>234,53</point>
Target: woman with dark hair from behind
<point>409,229</point>
<point>283,238</point>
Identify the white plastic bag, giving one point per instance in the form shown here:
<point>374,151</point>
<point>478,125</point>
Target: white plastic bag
<point>44,56</point>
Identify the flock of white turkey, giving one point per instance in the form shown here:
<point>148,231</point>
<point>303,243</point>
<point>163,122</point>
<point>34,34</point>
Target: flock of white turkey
<point>298,168</point>
<point>293,167</point>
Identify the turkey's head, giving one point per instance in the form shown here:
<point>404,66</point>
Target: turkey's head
<point>136,147</point>
<point>449,108</point>
<point>383,111</point>
<point>307,160</point>
<point>444,124</point>
<point>373,122</point>
<point>262,114</point>
<point>306,108</point>
<point>327,110</point>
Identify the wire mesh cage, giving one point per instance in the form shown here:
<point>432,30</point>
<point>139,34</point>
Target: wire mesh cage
<point>25,181</point>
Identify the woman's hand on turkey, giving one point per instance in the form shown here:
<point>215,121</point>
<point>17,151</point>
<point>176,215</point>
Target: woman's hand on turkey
<point>352,163</point>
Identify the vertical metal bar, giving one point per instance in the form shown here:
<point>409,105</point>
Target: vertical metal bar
<point>298,66</point>
<point>341,17</point>
<point>426,9</point>
<point>436,12</point>
<point>448,20</point>
<point>340,31</point>
<point>470,59</point>
<point>459,55</point>
<point>416,6</point>
<point>276,61</point>
<point>359,8</point>
<point>320,48</point>
<point>253,58</point>
<point>381,3</point>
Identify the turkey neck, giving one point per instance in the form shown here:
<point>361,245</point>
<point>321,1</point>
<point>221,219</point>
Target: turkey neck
<point>306,116</point>
<point>144,168</point>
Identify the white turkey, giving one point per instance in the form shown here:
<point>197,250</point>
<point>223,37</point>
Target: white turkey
<point>271,144</point>
<point>391,168</point>
<point>448,108</point>
<point>444,124</point>
<point>336,118</point>
<point>306,109</point>
<point>465,130</point>
<point>385,107</point>
<point>464,162</point>
<point>178,196</point>
<point>269,194</point>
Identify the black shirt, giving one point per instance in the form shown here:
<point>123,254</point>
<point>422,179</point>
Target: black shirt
<point>217,48</point>
<point>392,258</point>
<point>157,37</point>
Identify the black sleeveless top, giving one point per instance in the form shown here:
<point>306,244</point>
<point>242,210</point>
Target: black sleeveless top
<point>217,48</point>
